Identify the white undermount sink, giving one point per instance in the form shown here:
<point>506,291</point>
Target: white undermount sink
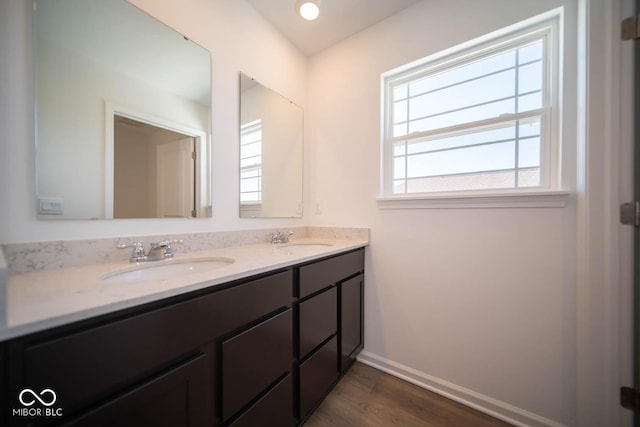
<point>155,270</point>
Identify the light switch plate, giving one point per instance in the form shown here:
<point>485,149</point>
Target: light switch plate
<point>51,206</point>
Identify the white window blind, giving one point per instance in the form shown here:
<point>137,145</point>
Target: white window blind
<point>482,119</point>
<point>251,162</point>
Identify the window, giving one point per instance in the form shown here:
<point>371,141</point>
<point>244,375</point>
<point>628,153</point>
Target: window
<point>485,117</point>
<point>251,162</point>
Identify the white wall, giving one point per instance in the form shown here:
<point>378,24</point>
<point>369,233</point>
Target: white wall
<point>479,303</point>
<point>239,40</point>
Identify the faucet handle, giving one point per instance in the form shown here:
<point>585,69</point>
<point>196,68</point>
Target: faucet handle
<point>281,236</point>
<point>137,254</point>
<point>167,251</point>
<point>168,242</point>
<point>137,246</point>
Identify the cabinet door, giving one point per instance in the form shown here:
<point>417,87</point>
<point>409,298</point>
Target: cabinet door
<point>318,320</point>
<point>317,375</point>
<point>254,360</point>
<point>180,397</point>
<point>351,317</point>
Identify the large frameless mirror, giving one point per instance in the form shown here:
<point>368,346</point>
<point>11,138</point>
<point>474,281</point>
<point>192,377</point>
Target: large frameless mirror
<point>123,114</point>
<point>271,153</point>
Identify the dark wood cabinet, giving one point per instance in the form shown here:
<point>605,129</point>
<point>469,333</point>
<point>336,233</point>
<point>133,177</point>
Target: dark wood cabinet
<point>180,397</point>
<point>4,402</point>
<point>164,361</point>
<point>93,363</point>
<point>87,366</point>
<point>258,351</point>
<point>330,324</point>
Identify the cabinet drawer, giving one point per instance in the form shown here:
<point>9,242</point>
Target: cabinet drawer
<point>234,307</point>
<point>318,320</point>
<point>273,409</point>
<point>86,366</point>
<point>255,359</point>
<point>180,397</point>
<point>316,276</point>
<point>317,375</point>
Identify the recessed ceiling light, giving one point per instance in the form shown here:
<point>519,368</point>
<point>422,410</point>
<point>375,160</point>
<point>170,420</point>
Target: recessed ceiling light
<point>308,9</point>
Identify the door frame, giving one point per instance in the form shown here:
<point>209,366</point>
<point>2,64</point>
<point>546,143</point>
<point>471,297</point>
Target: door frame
<point>634,154</point>
<point>202,192</point>
<point>604,259</point>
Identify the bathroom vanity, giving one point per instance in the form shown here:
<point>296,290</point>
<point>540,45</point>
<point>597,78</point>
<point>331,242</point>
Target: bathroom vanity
<point>258,350</point>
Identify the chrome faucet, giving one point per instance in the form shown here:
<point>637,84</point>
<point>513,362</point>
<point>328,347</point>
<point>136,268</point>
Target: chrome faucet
<point>281,237</point>
<point>161,250</point>
<point>137,255</point>
<point>157,251</point>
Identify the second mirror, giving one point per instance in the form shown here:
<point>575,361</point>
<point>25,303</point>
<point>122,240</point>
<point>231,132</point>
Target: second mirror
<point>271,153</point>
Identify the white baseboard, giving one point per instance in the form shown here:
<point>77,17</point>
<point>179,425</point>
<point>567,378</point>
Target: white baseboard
<point>482,403</point>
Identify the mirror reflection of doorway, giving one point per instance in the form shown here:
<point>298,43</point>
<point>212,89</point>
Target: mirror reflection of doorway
<point>154,171</point>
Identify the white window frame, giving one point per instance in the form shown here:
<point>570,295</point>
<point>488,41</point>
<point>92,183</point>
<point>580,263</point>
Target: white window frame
<point>548,194</point>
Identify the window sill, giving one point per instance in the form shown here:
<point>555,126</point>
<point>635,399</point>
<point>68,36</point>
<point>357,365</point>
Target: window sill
<point>520,199</point>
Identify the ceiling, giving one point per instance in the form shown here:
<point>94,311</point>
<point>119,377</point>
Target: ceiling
<point>338,20</point>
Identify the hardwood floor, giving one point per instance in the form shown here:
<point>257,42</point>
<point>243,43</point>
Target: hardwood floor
<point>368,397</point>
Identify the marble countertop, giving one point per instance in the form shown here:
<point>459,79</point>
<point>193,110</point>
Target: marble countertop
<point>41,300</point>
